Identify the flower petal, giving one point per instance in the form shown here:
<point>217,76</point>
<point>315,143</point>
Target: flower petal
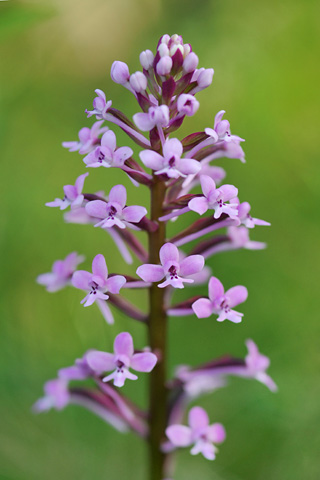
<point>215,288</point>
<point>207,185</point>
<point>134,213</point>
<point>202,308</point>
<point>80,182</point>
<point>99,266</point>
<point>227,192</point>
<point>143,362</point>
<point>80,279</point>
<point>150,273</point>
<point>100,361</point>
<point>236,295</point>
<point>123,344</point>
<point>179,435</point>
<point>188,166</point>
<point>97,209</point>
<point>115,283</point>
<point>121,155</point>
<point>151,159</point>
<point>118,194</point>
<point>143,121</point>
<point>191,265</point>
<point>216,433</point>
<point>198,418</point>
<point>169,253</point>
<point>109,140</point>
<point>173,146</point>
<point>198,205</point>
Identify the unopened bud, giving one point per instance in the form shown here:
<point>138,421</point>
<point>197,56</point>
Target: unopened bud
<point>190,62</point>
<point>146,59</point>
<point>138,82</point>
<point>164,66</point>
<point>120,72</point>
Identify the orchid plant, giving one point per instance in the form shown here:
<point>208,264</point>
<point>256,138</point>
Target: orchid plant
<point>181,180</point>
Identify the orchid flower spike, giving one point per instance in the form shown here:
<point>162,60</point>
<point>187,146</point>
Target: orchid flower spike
<point>72,195</point>
<point>114,212</point>
<point>171,163</point>
<point>107,154</point>
<point>171,268</point>
<point>97,283</point>
<point>61,274</point>
<point>221,302</point>
<point>215,198</point>
<point>121,360</point>
<point>88,138</point>
<point>199,433</point>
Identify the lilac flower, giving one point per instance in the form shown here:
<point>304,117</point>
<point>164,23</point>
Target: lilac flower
<point>100,105</point>
<point>114,212</point>
<point>56,396</point>
<point>221,130</point>
<point>246,219</point>
<point>171,164</point>
<point>214,198</point>
<point>187,104</point>
<point>62,271</point>
<point>121,360</point>
<point>199,433</point>
<point>257,364</point>
<point>239,237</point>
<point>171,268</point>
<point>72,195</point>
<point>107,154</point>
<point>156,117</point>
<point>97,283</point>
<point>88,137</point>
<point>221,302</point>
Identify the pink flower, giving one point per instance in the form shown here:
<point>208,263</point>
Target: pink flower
<point>221,302</point>
<point>107,154</point>
<point>121,360</point>
<point>88,137</point>
<point>171,268</point>
<point>72,195</point>
<point>114,212</point>
<point>98,284</point>
<point>100,105</point>
<point>171,163</point>
<point>56,396</point>
<point>215,198</point>
<point>199,433</point>
<point>62,271</point>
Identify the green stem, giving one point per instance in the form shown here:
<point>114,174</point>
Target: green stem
<point>157,341</point>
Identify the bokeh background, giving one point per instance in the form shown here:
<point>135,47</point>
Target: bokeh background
<point>54,53</point>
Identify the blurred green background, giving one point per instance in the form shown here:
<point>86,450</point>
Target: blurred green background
<point>54,54</point>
